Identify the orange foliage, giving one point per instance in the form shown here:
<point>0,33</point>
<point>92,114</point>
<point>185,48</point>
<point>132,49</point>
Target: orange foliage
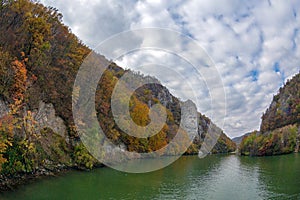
<point>20,80</point>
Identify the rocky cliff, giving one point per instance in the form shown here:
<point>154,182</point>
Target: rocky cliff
<point>39,60</point>
<point>280,126</point>
<point>285,107</point>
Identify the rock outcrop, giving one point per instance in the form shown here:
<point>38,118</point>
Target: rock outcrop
<point>4,109</point>
<point>46,117</point>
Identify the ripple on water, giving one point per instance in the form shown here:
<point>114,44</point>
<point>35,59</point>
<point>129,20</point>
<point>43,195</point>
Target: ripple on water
<point>214,177</point>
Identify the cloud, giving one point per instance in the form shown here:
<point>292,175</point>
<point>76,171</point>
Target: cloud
<point>254,45</point>
<point>242,38</point>
<point>95,21</point>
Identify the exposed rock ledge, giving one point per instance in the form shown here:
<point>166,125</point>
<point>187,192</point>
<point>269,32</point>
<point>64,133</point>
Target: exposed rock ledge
<point>45,117</point>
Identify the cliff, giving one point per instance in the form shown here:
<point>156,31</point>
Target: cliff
<point>279,130</point>
<point>39,60</point>
<point>285,107</point>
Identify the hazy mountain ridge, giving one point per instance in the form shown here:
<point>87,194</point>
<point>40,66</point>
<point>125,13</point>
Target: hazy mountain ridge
<point>238,140</point>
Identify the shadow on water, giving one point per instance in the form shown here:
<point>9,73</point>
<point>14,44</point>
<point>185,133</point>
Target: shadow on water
<point>214,177</point>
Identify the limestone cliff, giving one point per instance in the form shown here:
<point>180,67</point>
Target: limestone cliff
<point>280,127</point>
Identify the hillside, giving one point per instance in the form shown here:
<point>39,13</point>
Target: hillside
<point>279,130</point>
<point>285,107</point>
<point>39,60</point>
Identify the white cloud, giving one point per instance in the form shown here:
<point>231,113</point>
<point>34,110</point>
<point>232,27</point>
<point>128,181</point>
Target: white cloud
<point>94,21</point>
<point>255,44</point>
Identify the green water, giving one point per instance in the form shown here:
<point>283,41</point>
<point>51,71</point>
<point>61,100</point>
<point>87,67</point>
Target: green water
<point>214,177</point>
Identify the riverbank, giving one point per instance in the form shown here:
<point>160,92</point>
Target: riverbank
<point>12,182</point>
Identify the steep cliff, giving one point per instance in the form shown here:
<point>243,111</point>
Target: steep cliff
<point>285,107</point>
<point>39,60</point>
<point>280,126</point>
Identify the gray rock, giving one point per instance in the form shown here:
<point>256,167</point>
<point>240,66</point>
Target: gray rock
<point>45,117</point>
<point>189,119</point>
<point>4,109</point>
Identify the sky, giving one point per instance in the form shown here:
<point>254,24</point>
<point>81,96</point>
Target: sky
<point>254,46</point>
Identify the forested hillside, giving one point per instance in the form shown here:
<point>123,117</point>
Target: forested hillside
<point>279,130</point>
<point>39,60</point>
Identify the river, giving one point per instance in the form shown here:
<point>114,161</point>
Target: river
<point>214,177</point>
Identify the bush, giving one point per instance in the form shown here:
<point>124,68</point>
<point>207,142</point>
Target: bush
<point>82,157</point>
<point>20,157</point>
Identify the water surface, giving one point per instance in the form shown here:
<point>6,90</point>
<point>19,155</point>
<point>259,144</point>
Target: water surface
<point>214,177</point>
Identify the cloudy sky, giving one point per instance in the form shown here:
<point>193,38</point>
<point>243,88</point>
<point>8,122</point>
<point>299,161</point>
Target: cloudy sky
<point>253,44</point>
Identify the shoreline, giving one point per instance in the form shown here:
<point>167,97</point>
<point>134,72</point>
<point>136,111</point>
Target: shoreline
<point>11,183</point>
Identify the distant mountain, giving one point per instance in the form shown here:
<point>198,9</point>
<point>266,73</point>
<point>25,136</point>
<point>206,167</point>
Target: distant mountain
<point>39,60</point>
<point>238,140</point>
<point>280,126</point>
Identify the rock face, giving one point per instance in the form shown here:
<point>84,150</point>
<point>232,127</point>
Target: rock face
<point>189,120</point>
<point>3,108</point>
<point>186,114</point>
<point>45,117</point>
<point>53,135</point>
<point>285,107</point>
